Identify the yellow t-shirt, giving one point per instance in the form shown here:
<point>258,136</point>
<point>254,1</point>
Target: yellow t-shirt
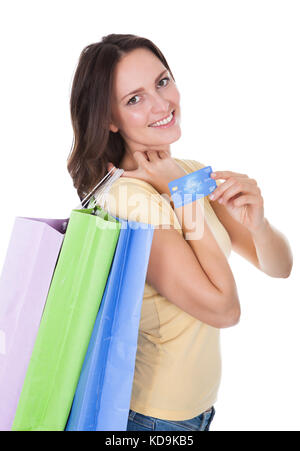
<point>178,362</point>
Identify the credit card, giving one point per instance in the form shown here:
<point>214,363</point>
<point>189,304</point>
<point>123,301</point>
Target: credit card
<point>191,187</point>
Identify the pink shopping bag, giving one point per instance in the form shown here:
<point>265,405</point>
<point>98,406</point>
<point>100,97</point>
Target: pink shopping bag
<point>27,272</point>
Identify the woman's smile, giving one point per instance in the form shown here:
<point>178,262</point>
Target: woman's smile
<point>165,123</point>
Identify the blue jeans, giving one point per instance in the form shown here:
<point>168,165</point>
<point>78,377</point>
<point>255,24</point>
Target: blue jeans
<point>139,422</point>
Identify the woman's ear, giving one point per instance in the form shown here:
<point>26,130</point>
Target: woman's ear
<point>113,128</point>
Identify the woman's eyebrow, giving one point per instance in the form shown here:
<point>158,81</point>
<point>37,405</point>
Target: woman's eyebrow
<point>142,89</point>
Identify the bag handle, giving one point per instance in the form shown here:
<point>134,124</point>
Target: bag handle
<point>102,190</point>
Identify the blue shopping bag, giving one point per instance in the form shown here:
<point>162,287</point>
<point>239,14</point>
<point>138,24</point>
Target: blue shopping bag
<point>102,398</point>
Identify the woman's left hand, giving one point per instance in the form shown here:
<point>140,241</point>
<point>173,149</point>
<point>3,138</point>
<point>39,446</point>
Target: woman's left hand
<point>241,197</point>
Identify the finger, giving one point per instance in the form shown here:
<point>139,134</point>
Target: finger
<point>140,157</point>
<point>153,155</point>
<point>247,199</point>
<point>163,154</point>
<point>223,175</point>
<point>244,180</point>
<point>245,184</point>
<point>219,191</point>
<point>229,193</point>
<point>236,188</point>
<point>236,197</point>
<point>141,160</point>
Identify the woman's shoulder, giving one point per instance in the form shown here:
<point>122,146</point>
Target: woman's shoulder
<point>134,186</point>
<point>136,200</point>
<point>147,188</point>
<point>190,165</point>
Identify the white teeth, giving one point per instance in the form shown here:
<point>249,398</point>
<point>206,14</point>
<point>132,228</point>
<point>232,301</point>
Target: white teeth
<point>164,122</point>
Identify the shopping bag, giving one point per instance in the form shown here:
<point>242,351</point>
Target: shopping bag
<point>102,398</point>
<point>28,268</point>
<point>71,308</point>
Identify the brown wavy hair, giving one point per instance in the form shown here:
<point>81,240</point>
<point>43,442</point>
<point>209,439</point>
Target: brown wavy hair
<point>94,145</point>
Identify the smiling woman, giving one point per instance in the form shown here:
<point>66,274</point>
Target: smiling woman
<point>125,110</point>
<point>150,119</point>
<point>122,88</point>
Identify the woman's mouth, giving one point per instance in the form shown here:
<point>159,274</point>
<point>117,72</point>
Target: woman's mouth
<point>166,123</point>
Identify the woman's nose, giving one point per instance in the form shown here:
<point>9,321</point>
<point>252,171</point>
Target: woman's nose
<point>159,104</point>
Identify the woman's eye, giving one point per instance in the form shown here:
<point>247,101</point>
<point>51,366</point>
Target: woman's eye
<point>166,78</point>
<point>132,98</point>
<point>129,102</point>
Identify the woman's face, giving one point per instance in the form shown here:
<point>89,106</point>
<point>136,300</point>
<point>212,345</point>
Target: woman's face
<point>135,110</point>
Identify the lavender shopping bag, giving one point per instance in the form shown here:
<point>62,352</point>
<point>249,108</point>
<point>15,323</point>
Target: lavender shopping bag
<point>26,276</point>
<point>70,311</point>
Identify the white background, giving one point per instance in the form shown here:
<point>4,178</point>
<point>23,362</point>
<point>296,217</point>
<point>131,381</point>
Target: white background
<point>236,64</point>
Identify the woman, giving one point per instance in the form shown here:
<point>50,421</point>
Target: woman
<point>125,109</point>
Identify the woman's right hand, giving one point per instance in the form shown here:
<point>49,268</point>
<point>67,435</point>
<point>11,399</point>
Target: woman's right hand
<point>155,167</point>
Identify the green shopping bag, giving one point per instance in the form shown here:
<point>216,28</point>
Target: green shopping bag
<point>71,308</point>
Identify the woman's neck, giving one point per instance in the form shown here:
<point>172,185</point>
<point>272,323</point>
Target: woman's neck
<point>128,162</point>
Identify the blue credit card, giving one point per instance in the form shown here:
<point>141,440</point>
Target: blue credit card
<point>192,186</point>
